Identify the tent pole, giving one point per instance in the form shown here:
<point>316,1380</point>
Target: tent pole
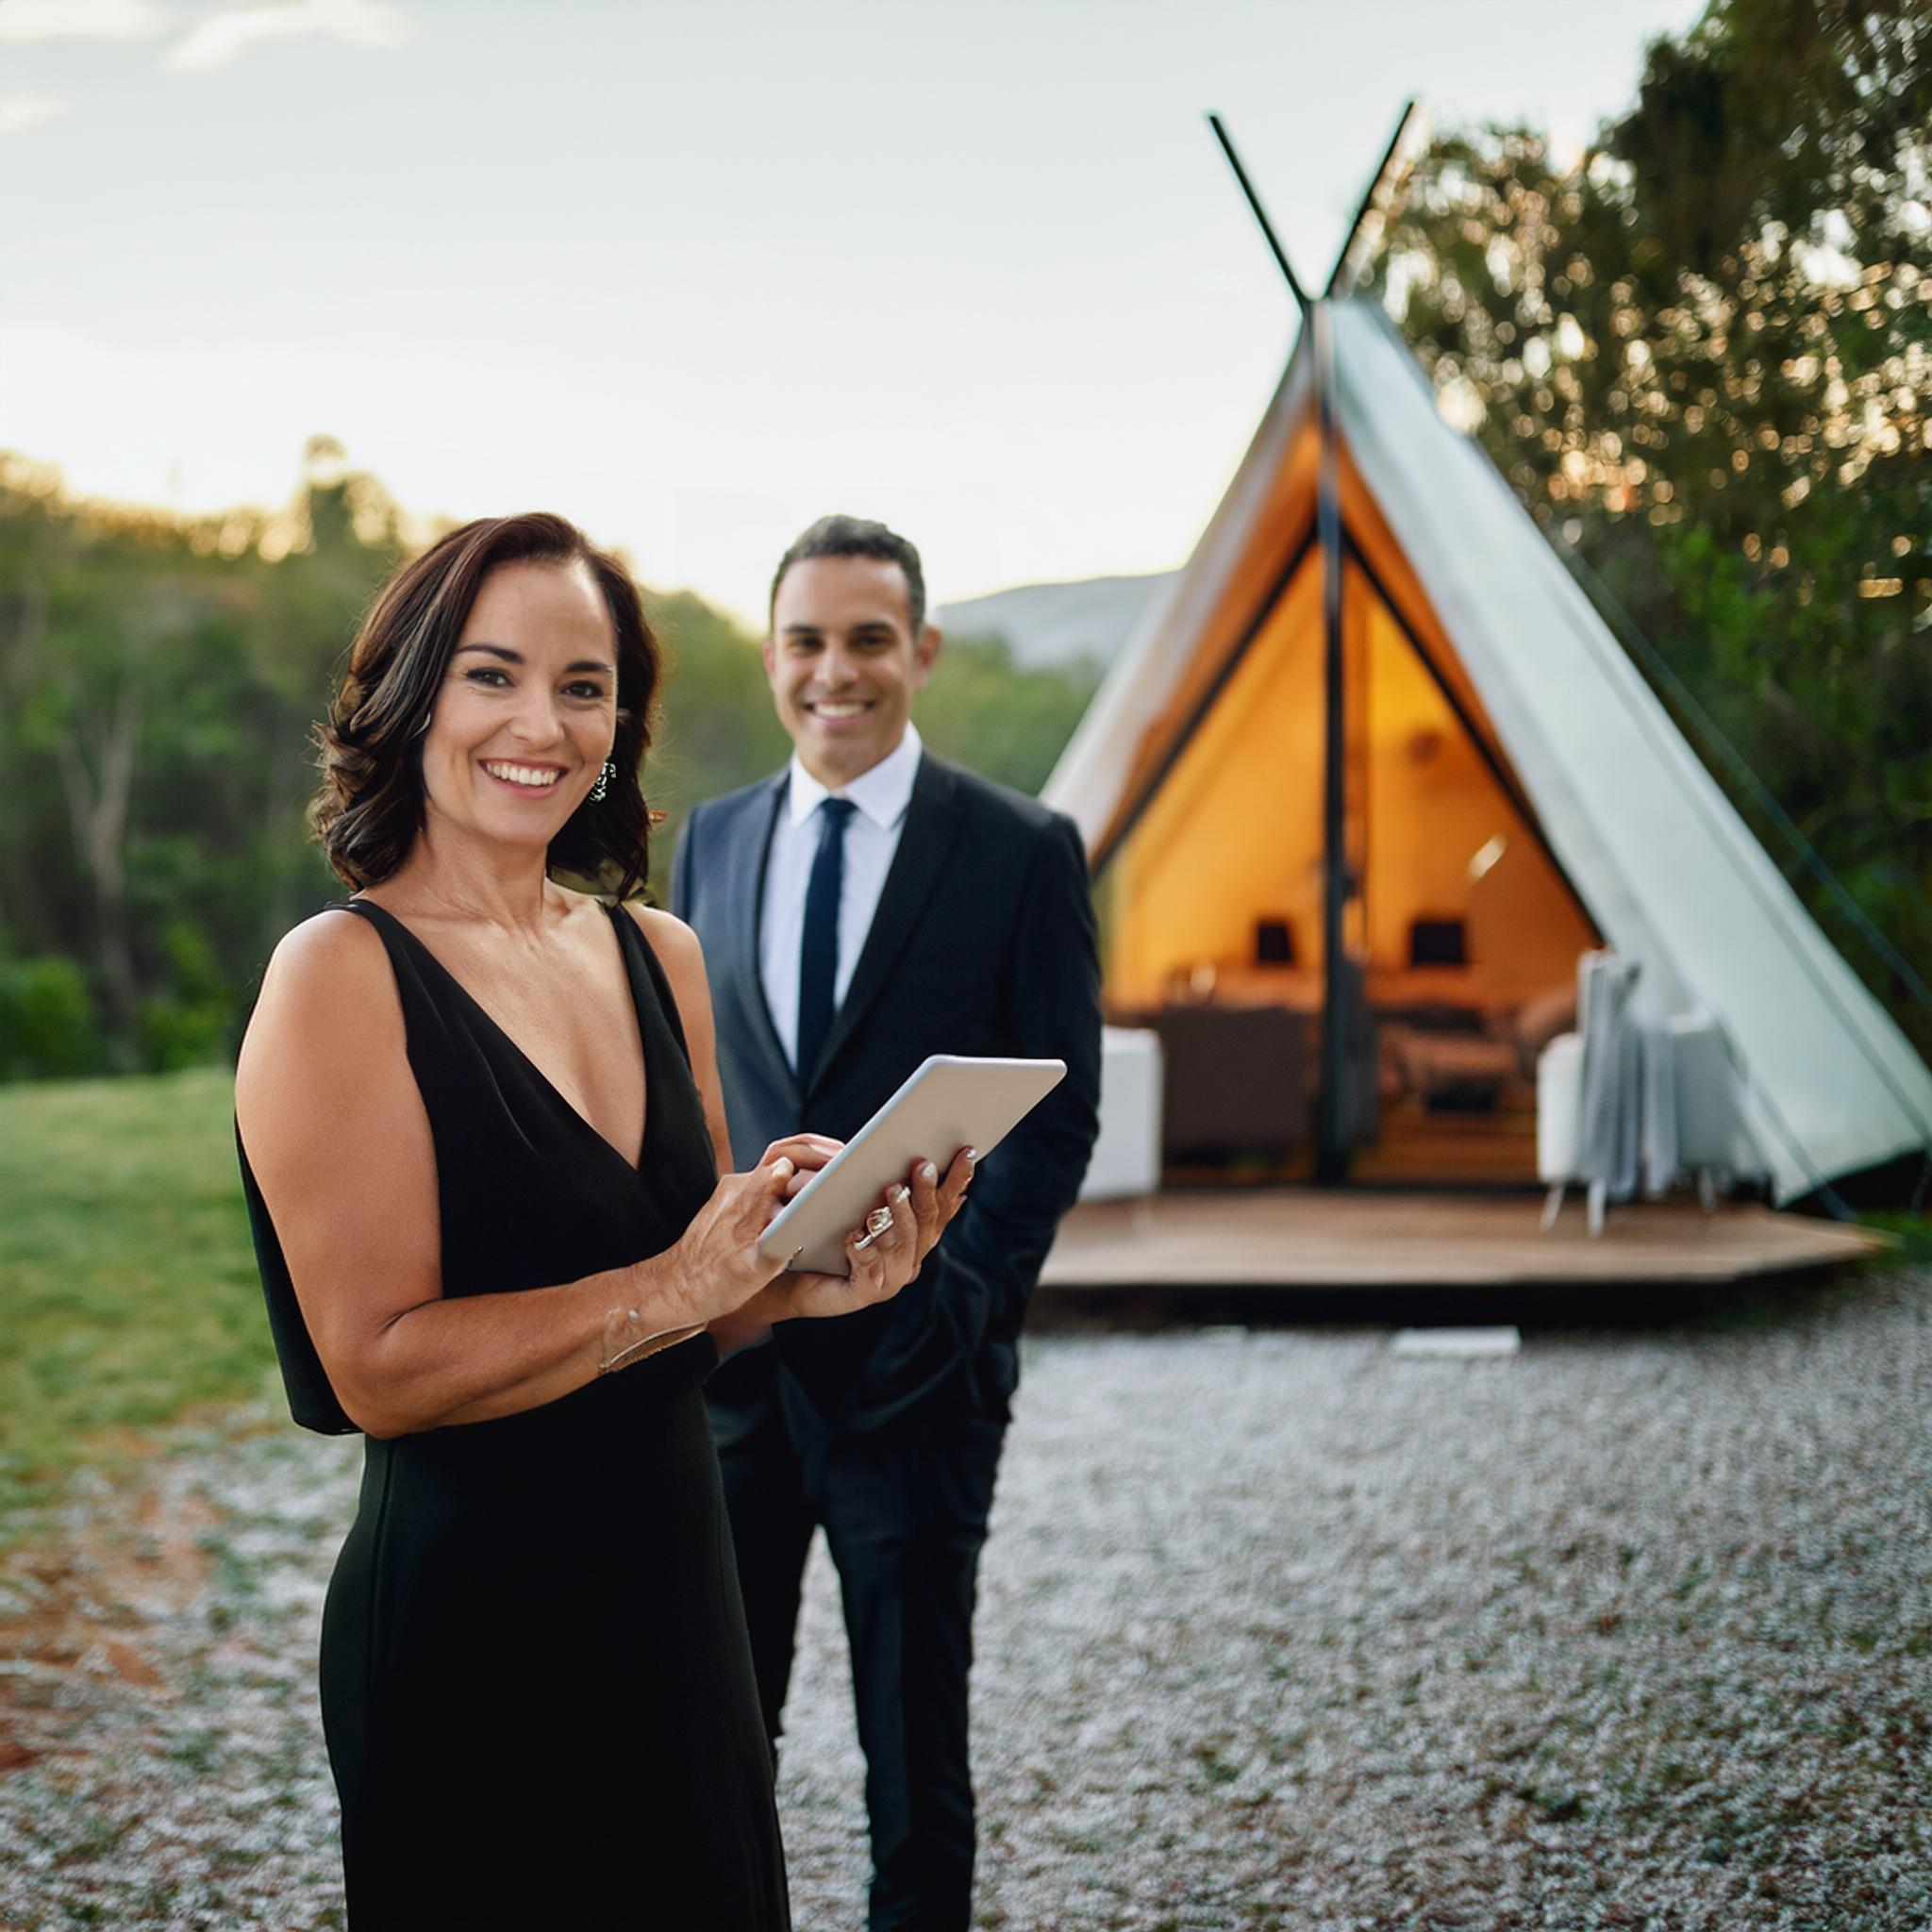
<point>1388,177</point>
<point>1260,214</point>
<point>1333,1111</point>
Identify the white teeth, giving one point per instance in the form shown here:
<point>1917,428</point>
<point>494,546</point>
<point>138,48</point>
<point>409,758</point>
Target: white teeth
<point>838,711</point>
<point>524,775</point>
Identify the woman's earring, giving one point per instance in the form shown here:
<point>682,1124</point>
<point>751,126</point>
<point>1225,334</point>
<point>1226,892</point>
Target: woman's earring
<point>602,787</point>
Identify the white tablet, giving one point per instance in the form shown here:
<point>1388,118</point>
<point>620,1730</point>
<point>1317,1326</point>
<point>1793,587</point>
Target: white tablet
<point>950,1102</point>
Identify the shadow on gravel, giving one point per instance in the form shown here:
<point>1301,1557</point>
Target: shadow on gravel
<point>1650,1306</point>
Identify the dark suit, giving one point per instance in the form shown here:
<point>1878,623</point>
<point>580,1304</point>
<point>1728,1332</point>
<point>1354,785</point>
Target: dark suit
<point>886,1425</point>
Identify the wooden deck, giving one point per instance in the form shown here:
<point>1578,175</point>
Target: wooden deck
<point>1294,1242</point>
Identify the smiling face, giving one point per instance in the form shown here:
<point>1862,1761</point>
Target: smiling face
<point>844,664</point>
<point>528,710</point>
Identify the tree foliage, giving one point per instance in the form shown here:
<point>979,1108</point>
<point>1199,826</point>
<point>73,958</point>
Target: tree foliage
<point>160,680</point>
<point>1702,355</point>
<point>157,680</point>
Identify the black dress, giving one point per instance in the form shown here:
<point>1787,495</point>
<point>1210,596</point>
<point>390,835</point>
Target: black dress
<point>536,1684</point>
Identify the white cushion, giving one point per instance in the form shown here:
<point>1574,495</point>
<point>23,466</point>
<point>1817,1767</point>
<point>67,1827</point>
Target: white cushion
<point>1707,1093</point>
<point>1558,1108</point>
<point>1126,1155</point>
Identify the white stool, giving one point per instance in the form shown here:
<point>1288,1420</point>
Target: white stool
<point>1559,1114</point>
<point>1707,1111</point>
<point>1126,1155</point>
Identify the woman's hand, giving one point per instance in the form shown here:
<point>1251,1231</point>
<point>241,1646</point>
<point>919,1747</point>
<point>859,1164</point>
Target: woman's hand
<point>886,1253</point>
<point>715,1268</point>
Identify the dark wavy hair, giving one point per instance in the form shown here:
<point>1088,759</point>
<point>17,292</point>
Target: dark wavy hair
<point>369,807</point>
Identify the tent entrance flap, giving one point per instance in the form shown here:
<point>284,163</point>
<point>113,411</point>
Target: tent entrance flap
<point>1459,937</point>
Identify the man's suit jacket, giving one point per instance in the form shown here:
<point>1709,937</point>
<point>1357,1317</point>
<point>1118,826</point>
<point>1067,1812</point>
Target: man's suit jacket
<point>983,942</point>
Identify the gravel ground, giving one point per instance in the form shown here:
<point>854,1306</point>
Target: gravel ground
<point>1633,1630</point>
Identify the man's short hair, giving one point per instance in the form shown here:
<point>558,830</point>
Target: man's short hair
<point>843,536</point>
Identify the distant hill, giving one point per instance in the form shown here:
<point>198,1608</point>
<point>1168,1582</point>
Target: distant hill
<point>1057,624</point>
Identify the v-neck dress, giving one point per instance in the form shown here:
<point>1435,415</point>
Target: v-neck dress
<point>536,1684</point>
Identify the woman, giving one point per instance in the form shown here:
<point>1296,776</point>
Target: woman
<point>480,1132</point>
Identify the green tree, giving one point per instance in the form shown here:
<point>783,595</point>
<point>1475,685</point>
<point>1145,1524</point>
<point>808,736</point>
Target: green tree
<point>159,682</point>
<point>717,730</point>
<point>158,677</point>
<point>1004,721</point>
<point>1702,355</point>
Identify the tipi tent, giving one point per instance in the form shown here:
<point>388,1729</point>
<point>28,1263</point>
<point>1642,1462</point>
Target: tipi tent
<point>1509,794</point>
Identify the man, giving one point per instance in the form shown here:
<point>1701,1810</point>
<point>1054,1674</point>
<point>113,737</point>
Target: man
<point>869,906</point>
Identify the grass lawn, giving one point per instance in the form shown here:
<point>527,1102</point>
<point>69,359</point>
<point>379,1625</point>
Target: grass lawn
<point>127,1285</point>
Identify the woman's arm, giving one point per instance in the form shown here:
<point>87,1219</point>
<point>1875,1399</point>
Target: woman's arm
<point>339,1143</point>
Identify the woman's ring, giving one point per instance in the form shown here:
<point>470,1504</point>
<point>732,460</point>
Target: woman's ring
<point>878,1222</point>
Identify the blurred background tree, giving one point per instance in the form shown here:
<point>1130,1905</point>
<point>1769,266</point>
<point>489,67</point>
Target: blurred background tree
<point>160,680</point>
<point>1700,354</point>
<point>1006,720</point>
<point>158,677</point>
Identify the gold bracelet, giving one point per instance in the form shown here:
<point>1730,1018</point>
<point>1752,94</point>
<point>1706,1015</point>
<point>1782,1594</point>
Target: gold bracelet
<point>623,1344</point>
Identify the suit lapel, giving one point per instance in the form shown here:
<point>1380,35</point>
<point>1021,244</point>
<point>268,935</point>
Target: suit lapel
<point>932,823</point>
<point>744,865</point>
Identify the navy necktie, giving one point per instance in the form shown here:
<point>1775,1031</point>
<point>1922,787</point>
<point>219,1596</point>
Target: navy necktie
<point>818,959</point>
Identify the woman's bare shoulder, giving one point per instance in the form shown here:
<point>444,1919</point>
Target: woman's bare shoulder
<point>327,996</point>
<point>330,960</point>
<point>675,945</point>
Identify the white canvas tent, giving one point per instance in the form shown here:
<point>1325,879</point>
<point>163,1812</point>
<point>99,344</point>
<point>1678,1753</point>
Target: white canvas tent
<point>1635,837</point>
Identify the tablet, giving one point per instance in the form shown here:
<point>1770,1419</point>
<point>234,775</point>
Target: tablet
<point>949,1103</point>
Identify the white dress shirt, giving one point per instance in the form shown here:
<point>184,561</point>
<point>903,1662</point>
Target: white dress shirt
<point>872,837</point>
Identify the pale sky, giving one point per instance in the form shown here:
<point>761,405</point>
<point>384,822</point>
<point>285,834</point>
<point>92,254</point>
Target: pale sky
<point>692,274</point>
